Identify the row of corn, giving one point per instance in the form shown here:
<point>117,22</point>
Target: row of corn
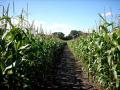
<point>100,54</point>
<point>25,58</point>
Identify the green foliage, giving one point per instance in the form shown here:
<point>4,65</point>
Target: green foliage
<point>58,35</point>
<point>74,34</point>
<point>100,52</point>
<point>25,58</point>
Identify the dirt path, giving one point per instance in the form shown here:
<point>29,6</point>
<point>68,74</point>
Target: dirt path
<point>67,75</point>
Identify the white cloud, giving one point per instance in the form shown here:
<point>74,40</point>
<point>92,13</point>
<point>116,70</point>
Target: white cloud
<point>53,27</point>
<point>57,27</point>
<point>107,14</point>
<point>49,28</point>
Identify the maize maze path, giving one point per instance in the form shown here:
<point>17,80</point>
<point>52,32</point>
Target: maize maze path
<point>67,75</point>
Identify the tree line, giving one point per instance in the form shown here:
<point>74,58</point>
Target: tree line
<point>72,35</point>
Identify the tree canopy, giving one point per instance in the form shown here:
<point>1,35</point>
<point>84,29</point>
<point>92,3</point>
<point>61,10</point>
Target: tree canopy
<point>58,34</point>
<point>72,35</point>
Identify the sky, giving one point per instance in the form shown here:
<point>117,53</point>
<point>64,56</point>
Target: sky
<point>65,15</point>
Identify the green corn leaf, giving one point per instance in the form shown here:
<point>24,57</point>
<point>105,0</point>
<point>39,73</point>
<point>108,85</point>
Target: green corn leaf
<point>8,19</point>
<point>118,47</point>
<point>109,59</point>
<point>9,67</point>
<point>115,74</point>
<point>5,34</point>
<point>9,57</point>
<point>23,47</point>
<point>117,83</point>
<point>102,18</point>
<point>106,37</point>
<point>115,43</point>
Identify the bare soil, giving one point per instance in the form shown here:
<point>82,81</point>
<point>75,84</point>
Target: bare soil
<point>67,74</point>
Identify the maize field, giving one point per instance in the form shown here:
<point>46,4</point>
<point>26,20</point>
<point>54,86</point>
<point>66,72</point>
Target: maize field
<point>27,57</point>
<point>24,56</point>
<point>100,54</point>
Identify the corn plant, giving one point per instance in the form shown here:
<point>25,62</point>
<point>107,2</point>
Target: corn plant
<point>100,53</point>
<point>25,58</point>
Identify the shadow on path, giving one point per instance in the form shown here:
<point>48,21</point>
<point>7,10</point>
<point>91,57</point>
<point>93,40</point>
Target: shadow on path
<point>67,75</point>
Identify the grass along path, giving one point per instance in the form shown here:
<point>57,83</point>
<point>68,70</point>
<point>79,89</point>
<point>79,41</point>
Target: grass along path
<point>67,74</point>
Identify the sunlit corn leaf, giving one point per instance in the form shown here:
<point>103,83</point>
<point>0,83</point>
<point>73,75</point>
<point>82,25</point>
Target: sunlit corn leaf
<point>115,74</point>
<point>23,47</point>
<point>8,19</point>
<point>106,37</point>
<point>117,83</point>
<point>109,59</point>
<point>4,35</point>
<point>9,67</point>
